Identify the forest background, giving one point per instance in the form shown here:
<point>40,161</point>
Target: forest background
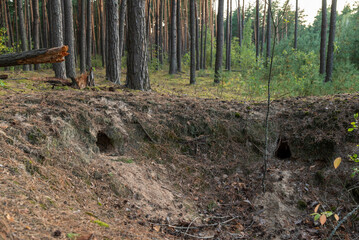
<point>296,68</point>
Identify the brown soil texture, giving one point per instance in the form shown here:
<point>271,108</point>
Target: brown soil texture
<point>129,165</point>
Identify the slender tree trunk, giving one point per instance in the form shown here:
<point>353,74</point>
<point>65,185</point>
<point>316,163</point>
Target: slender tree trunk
<point>201,46</point>
<point>205,34</point>
<point>123,10</point>
<point>70,40</point>
<point>227,36</point>
<point>173,57</point>
<point>269,31</point>
<point>24,45</point>
<point>296,25</point>
<point>103,33</point>
<point>239,23</point>
<point>197,42</point>
<point>89,36</point>
<point>83,37</point>
<point>137,68</point>
<point>113,72</point>
<point>263,27</point>
<point>330,54</point>
<point>45,24</point>
<point>212,32</point>
<point>57,36</point>
<point>192,27</point>
<point>220,40</point>
<point>36,28</point>
<point>230,38</point>
<point>179,37</point>
<point>160,41</point>
<point>323,37</point>
<point>257,30</point>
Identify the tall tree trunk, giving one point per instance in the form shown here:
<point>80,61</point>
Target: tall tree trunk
<point>205,34</point>
<point>323,37</point>
<point>330,54</point>
<point>230,38</point>
<point>192,26</point>
<point>82,15</point>
<point>227,36</point>
<point>269,31</point>
<point>70,40</point>
<point>160,41</point>
<point>179,37</point>
<point>257,30</point>
<point>123,10</point>
<point>89,36</point>
<point>24,45</point>
<point>113,72</point>
<point>296,25</point>
<point>36,27</point>
<point>263,27</point>
<point>239,23</point>
<point>212,32</point>
<point>197,42</point>
<point>103,33</point>
<point>45,25</point>
<point>57,36</point>
<point>173,56</point>
<point>201,14</point>
<point>220,40</point>
<point>137,68</point>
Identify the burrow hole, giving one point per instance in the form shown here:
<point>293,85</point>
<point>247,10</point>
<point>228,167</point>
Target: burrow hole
<point>104,143</point>
<point>283,149</point>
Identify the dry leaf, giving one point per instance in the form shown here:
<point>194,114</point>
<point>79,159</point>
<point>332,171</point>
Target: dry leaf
<point>157,228</point>
<point>337,162</point>
<point>323,219</point>
<point>336,217</point>
<point>316,208</point>
<point>9,218</point>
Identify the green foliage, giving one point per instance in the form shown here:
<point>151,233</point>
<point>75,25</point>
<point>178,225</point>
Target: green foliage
<point>100,223</point>
<point>3,42</point>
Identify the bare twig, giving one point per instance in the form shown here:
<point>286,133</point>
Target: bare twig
<point>342,221</point>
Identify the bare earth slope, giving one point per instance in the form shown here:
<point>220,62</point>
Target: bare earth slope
<point>126,165</point>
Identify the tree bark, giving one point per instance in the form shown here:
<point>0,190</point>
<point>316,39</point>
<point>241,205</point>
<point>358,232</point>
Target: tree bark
<point>193,41</point>
<point>113,70</point>
<point>179,37</point>
<point>257,30</point>
<point>197,41</point>
<point>36,28</point>
<point>323,37</point>
<point>330,54</point>
<point>70,40</point>
<point>296,26</point>
<point>269,33</point>
<point>22,30</point>
<point>160,41</point>
<point>263,27</point>
<point>173,56</point>
<point>137,68</point>
<point>220,40</point>
<point>89,36</point>
<point>52,55</point>
<point>123,9</point>
<point>57,36</point>
<point>205,35</point>
<point>82,42</point>
<point>239,24</point>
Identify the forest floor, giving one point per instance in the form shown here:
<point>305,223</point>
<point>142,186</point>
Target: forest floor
<point>110,163</point>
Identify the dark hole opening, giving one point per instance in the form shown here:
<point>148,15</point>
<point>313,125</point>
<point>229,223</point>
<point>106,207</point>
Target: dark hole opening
<point>283,150</point>
<point>104,143</point>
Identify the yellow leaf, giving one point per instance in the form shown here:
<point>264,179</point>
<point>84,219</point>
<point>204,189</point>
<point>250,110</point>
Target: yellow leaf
<point>316,208</point>
<point>157,228</point>
<point>336,217</point>
<point>323,219</point>
<point>337,162</point>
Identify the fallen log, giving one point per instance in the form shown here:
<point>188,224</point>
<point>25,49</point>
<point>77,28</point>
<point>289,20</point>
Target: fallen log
<point>3,77</point>
<point>44,55</point>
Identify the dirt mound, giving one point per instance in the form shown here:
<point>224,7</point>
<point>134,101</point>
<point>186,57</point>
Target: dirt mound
<point>142,166</point>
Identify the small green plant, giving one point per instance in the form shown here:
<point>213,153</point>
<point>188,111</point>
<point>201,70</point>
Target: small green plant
<point>323,216</point>
<point>2,84</point>
<point>100,223</point>
<point>72,235</point>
